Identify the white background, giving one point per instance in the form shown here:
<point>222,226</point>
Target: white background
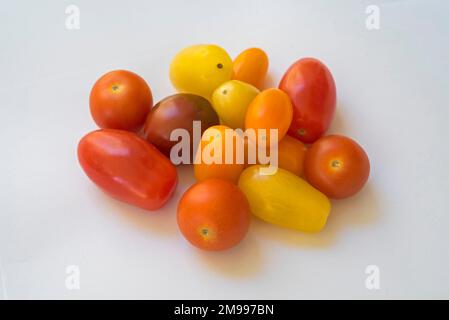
<point>393,95</point>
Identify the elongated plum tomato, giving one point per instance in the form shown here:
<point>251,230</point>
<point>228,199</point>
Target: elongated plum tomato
<point>337,166</point>
<point>120,100</point>
<point>251,66</point>
<point>284,199</point>
<point>178,112</point>
<point>311,88</point>
<point>231,100</point>
<point>270,109</point>
<point>127,168</point>
<point>217,155</point>
<point>214,215</point>
<point>200,69</point>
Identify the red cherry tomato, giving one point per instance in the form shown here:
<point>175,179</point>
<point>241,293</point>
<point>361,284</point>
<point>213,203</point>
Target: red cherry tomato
<point>127,167</point>
<point>310,86</point>
<point>337,166</point>
<point>120,100</point>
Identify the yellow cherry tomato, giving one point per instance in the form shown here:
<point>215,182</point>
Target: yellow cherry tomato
<point>200,69</point>
<point>231,100</point>
<point>219,143</point>
<point>251,66</point>
<point>270,109</point>
<point>284,199</point>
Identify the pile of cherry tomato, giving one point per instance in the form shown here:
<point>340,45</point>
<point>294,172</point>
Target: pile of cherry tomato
<point>129,157</point>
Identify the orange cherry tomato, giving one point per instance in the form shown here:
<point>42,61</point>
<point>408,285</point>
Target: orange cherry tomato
<point>270,109</point>
<point>337,166</point>
<point>251,66</point>
<point>120,100</point>
<point>214,215</point>
<point>291,154</point>
<point>127,167</point>
<point>214,138</point>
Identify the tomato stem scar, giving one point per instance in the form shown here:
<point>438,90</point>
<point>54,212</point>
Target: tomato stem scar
<point>335,164</point>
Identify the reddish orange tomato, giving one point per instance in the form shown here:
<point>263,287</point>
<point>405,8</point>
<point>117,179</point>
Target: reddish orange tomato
<point>270,109</point>
<point>120,100</point>
<point>337,166</point>
<point>214,139</point>
<point>311,88</point>
<point>214,215</point>
<point>127,167</point>
<point>291,154</point>
<point>251,66</point>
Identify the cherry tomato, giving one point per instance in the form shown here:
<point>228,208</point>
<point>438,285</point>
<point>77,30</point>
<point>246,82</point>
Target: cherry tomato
<point>284,199</point>
<point>214,215</point>
<point>270,109</point>
<point>200,69</point>
<point>291,154</point>
<point>178,112</point>
<point>311,89</point>
<point>127,168</point>
<point>215,139</point>
<point>231,100</point>
<point>337,166</point>
<point>120,100</point>
<point>251,66</point>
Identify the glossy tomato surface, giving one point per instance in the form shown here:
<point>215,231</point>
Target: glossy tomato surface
<point>251,66</point>
<point>311,88</point>
<point>214,215</point>
<point>284,199</point>
<point>200,69</point>
<point>270,109</point>
<point>120,100</point>
<point>127,167</point>
<point>178,112</point>
<point>219,144</point>
<point>231,101</point>
<point>337,166</point>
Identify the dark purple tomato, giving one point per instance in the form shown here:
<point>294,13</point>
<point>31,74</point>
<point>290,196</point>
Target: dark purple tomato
<point>178,111</point>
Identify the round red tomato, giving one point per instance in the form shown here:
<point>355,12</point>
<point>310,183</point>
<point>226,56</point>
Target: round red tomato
<point>127,167</point>
<point>120,100</point>
<point>337,166</point>
<point>214,215</point>
<point>311,88</point>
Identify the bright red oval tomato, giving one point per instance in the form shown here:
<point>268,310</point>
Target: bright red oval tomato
<point>310,86</point>
<point>127,167</point>
<point>120,99</point>
<point>337,166</point>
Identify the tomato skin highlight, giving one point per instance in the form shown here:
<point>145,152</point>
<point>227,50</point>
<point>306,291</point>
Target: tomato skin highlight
<point>284,199</point>
<point>120,99</point>
<point>177,112</point>
<point>224,171</point>
<point>311,88</point>
<point>251,66</point>
<point>200,69</point>
<point>214,215</point>
<point>337,166</point>
<point>127,168</point>
<point>270,109</point>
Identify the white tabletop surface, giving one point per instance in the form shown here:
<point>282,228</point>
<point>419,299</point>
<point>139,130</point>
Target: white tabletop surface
<point>393,98</point>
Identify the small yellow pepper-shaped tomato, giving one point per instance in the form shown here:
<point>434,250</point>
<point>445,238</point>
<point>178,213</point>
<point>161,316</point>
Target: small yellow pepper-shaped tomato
<point>200,69</point>
<point>231,100</point>
<point>284,199</point>
<point>251,66</point>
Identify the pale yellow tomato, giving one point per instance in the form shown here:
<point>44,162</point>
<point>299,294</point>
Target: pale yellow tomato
<point>230,101</point>
<point>200,69</point>
<point>284,199</point>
